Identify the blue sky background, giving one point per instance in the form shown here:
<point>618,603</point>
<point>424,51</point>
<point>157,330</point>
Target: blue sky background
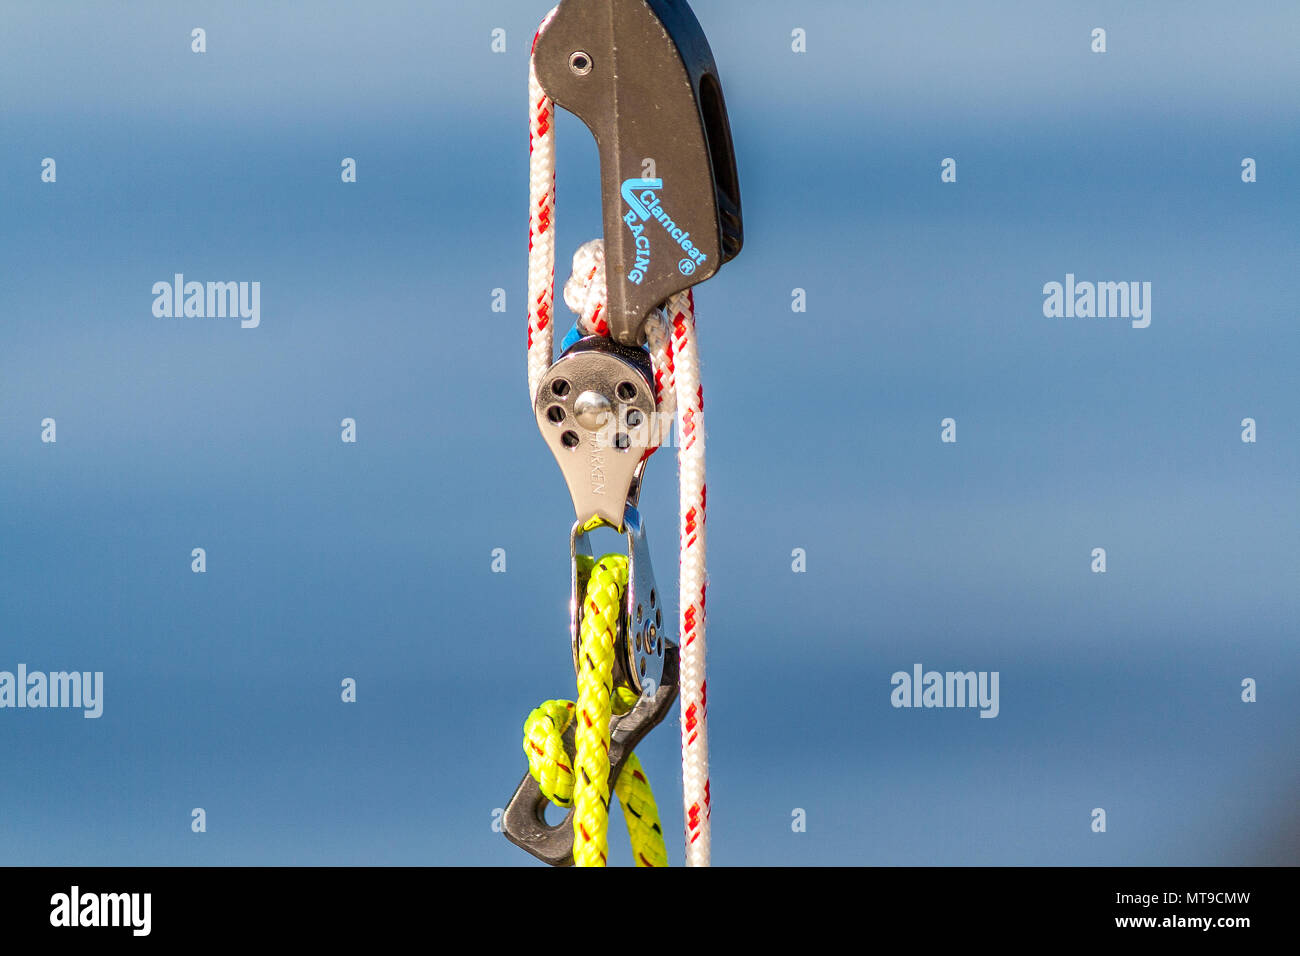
<point>372,560</point>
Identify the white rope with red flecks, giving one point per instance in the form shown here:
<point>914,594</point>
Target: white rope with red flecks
<point>670,336</point>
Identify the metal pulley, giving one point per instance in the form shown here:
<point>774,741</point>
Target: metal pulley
<point>641,76</point>
<point>595,408</point>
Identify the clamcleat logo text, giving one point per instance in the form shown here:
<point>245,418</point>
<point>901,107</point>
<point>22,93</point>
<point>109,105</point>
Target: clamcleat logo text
<point>642,195</point>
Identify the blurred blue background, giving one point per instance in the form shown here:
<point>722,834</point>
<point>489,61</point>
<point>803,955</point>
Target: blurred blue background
<point>372,560</point>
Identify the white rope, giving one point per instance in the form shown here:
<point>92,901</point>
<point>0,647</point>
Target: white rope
<point>541,225</point>
<point>694,579</point>
<point>674,353</point>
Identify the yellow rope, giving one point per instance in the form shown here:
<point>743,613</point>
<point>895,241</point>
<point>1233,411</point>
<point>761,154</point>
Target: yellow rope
<point>587,789</point>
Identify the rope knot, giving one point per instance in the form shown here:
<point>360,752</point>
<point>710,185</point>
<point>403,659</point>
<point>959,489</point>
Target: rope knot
<point>548,761</point>
<point>585,293</point>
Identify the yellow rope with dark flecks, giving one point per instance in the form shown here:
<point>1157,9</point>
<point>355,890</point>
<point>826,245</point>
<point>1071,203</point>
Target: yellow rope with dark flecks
<point>587,790</point>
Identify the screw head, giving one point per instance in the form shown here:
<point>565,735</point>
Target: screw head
<point>591,409</point>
